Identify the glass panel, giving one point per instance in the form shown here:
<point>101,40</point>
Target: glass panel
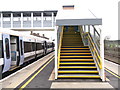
<point>92,31</point>
<point>27,47</point>
<point>7,48</point>
<point>21,47</point>
<point>39,46</point>
<point>97,40</point>
<point>33,46</point>
<point>0,48</point>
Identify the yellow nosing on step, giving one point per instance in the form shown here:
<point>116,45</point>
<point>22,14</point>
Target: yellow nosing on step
<point>77,63</point>
<point>77,71</point>
<point>74,56</point>
<point>78,76</point>
<point>73,53</point>
<point>74,48</point>
<point>77,67</point>
<point>76,60</point>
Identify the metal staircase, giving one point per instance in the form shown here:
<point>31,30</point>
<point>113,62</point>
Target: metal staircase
<point>75,59</point>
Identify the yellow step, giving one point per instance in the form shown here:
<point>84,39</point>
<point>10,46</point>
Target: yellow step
<point>77,63</point>
<point>74,48</point>
<point>71,37</point>
<point>73,56</point>
<point>76,60</point>
<point>76,41</point>
<point>74,53</point>
<point>89,67</point>
<point>77,71</point>
<point>70,76</point>
<point>71,42</point>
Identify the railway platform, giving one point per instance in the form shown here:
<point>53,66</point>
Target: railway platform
<point>18,77</point>
<point>41,75</point>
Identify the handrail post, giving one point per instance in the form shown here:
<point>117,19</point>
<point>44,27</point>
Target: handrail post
<point>56,47</point>
<point>58,53</point>
<point>102,54</point>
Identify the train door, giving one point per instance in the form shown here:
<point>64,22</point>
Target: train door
<point>53,46</point>
<point>21,50</point>
<point>6,52</point>
<point>14,51</point>
<point>45,47</point>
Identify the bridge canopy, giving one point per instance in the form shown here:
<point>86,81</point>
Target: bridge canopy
<point>76,16</point>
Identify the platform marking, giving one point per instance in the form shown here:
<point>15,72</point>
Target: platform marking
<point>114,74</point>
<point>36,74</point>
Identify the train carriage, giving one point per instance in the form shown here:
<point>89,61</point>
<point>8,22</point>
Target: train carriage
<point>17,48</point>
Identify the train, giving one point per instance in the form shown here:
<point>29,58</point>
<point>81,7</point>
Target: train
<point>17,48</point>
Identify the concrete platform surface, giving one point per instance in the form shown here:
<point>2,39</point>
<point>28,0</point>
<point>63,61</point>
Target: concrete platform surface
<point>84,85</point>
<point>112,66</point>
<point>21,75</point>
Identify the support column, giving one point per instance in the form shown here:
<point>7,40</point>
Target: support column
<point>88,28</point>
<point>1,20</point>
<point>21,20</point>
<point>32,19</point>
<point>56,50</point>
<point>84,28</point>
<point>102,54</point>
<point>94,32</point>
<point>11,19</point>
<point>52,19</point>
<point>42,19</point>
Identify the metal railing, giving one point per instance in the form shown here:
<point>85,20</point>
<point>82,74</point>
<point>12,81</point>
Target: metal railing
<point>59,47</point>
<point>94,50</point>
<point>92,39</point>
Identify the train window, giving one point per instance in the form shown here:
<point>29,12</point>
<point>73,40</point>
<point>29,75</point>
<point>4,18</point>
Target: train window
<point>43,46</point>
<point>33,46</point>
<point>27,47</point>
<point>0,48</point>
<point>39,46</point>
<point>52,44</point>
<point>7,48</point>
<point>48,45</point>
<point>21,47</point>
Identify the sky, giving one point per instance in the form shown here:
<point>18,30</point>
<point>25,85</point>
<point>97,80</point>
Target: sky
<point>105,9</point>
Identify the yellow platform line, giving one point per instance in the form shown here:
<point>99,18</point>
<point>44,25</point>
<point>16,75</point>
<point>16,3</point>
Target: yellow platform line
<point>77,63</point>
<point>78,76</point>
<point>21,88</point>
<point>114,74</point>
<point>78,67</point>
<point>77,71</point>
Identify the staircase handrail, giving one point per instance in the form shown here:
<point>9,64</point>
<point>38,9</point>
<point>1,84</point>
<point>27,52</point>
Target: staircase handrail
<point>94,51</point>
<point>60,44</point>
